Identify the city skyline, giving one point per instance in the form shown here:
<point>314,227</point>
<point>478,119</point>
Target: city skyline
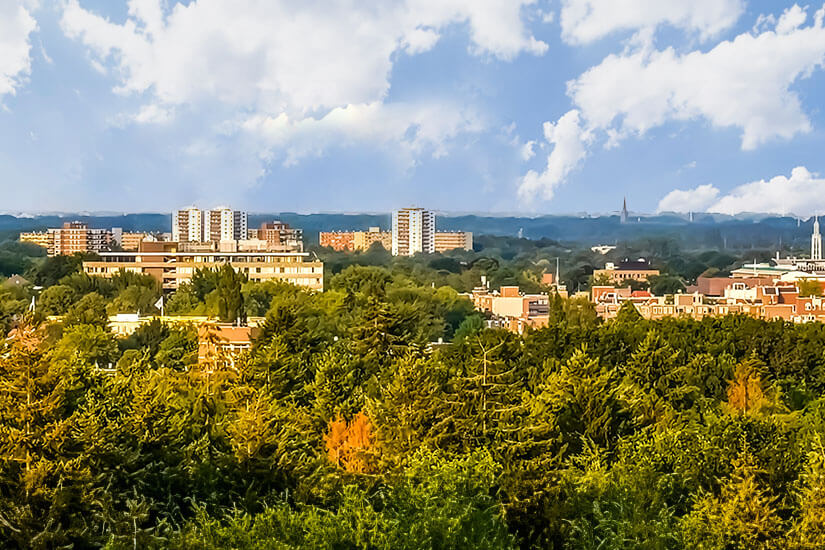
<point>530,106</point>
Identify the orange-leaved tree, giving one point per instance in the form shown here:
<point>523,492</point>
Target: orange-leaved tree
<point>351,445</point>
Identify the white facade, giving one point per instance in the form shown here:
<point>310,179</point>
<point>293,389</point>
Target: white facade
<point>816,242</point>
<point>224,224</point>
<point>192,224</point>
<point>187,225</point>
<point>413,231</point>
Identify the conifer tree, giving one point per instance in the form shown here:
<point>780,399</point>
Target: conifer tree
<point>742,516</point>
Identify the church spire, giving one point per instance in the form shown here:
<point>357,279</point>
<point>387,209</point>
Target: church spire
<point>624,210</point>
<point>816,241</point>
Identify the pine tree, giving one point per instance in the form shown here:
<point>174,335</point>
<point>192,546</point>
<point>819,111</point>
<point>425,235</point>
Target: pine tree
<point>41,477</point>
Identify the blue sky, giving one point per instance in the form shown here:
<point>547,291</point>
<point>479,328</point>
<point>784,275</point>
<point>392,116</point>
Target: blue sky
<point>532,106</point>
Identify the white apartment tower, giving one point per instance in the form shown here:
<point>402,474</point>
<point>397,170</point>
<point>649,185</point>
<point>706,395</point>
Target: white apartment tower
<point>413,231</point>
<point>224,224</point>
<point>187,225</point>
<point>191,224</point>
<point>816,242</point>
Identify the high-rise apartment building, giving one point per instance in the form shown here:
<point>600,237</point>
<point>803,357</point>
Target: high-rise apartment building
<point>76,237</point>
<point>187,225</point>
<point>413,231</point>
<point>191,224</point>
<point>224,224</point>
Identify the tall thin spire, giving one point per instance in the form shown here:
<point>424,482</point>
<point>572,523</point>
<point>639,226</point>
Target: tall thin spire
<point>816,241</point>
<point>624,210</point>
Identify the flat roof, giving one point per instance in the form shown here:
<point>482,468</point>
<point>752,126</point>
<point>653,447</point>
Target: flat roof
<point>210,253</point>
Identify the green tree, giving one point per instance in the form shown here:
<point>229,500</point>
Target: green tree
<point>56,300</point>
<point>89,310</point>
<point>230,298</point>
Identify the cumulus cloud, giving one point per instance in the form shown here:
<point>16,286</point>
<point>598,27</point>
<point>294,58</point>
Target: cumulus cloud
<point>299,76</point>
<point>698,199</point>
<point>743,83</point>
<point>16,26</point>
<point>802,194</point>
<point>416,128</point>
<point>569,143</point>
<point>585,21</point>
<point>284,56</point>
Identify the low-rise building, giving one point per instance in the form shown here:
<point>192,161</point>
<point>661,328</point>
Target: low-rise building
<point>453,240</point>
<point>638,270</point>
<point>511,309</point>
<point>219,345</point>
<point>349,241</point>
<point>363,240</point>
<point>342,241</point>
<point>44,239</point>
<point>172,267</point>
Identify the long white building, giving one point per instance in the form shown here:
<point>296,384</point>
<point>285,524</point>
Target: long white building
<point>413,231</point>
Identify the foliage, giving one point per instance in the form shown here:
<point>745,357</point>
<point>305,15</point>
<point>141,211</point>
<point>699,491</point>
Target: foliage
<point>348,425</point>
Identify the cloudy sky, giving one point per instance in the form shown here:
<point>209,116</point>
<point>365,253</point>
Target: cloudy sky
<point>534,106</point>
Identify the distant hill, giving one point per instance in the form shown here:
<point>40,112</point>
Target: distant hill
<point>705,231</point>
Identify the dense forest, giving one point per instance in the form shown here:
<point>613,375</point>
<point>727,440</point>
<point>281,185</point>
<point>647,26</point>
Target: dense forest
<point>346,426</point>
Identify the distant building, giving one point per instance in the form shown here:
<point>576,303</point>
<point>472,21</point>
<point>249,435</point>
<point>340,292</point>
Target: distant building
<point>355,240</point>
<point>77,237</point>
<point>171,266</point>
<point>131,241</point>
<point>413,231</point>
<point>219,345</point>
<point>452,240</point>
<point>624,215</point>
<point>74,237</point>
<point>639,270</point>
<point>44,239</point>
<point>337,240</point>
<point>224,224</point>
<point>816,242</point>
<point>510,309</point>
<point>279,237</point>
<point>187,225</point>
<point>363,240</point>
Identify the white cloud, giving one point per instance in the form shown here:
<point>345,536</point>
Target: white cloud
<point>569,141</point>
<point>698,199</point>
<point>299,77</point>
<point>285,56</point>
<point>527,151</point>
<point>585,21</point>
<point>743,83</point>
<point>16,25</point>
<point>416,128</point>
<point>802,194</point>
